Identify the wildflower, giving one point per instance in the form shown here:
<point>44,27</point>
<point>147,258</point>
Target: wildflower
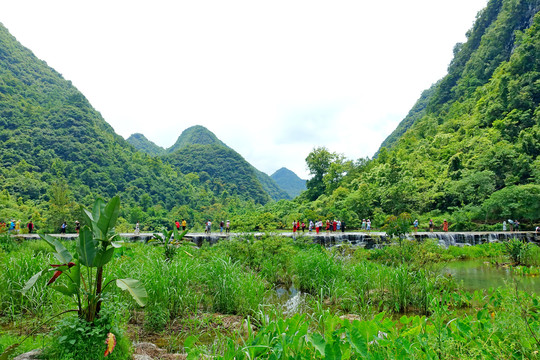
<point>111,343</point>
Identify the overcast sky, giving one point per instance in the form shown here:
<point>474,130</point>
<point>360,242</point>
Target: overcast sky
<point>272,79</point>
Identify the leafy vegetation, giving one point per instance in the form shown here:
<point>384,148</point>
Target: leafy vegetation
<point>343,295</point>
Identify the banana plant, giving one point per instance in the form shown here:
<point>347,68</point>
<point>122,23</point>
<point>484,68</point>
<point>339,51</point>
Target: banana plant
<point>84,270</point>
<point>170,239</point>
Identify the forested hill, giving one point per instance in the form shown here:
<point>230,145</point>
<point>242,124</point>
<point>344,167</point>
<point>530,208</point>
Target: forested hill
<point>56,149</point>
<point>289,181</point>
<point>470,147</point>
<point>140,142</point>
<point>199,151</point>
<point>195,135</point>
<point>490,42</point>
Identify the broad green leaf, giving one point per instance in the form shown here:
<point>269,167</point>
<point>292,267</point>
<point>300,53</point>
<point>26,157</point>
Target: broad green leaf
<point>332,351</point>
<point>87,247</point>
<point>32,281</point>
<point>109,215</point>
<point>64,290</point>
<point>358,341</point>
<point>117,244</point>
<point>62,254</point>
<point>318,342</point>
<point>89,218</point>
<point>103,257</point>
<point>135,288</point>
<point>74,273</point>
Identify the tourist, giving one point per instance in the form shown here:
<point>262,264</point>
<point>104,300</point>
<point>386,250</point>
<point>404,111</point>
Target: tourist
<point>363,224</point>
<point>63,228</point>
<point>431,225</point>
<point>445,226</point>
<point>415,225</point>
<point>221,225</point>
<point>17,226</point>
<point>184,224</point>
<point>342,226</point>
<point>538,229</point>
<point>334,225</point>
<point>12,225</point>
<point>511,224</point>
<point>209,227</point>
<point>368,225</point>
<point>227,226</point>
<point>310,226</point>
<point>77,226</point>
<point>137,228</point>
<point>177,224</point>
<point>318,226</point>
<point>504,225</point>
<point>327,226</point>
<point>294,226</point>
<point>2,226</point>
<point>516,225</point>
<point>30,227</point>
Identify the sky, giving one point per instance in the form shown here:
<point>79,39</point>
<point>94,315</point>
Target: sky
<point>272,79</point>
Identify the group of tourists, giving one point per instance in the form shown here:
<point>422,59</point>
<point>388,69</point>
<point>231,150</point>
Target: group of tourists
<point>183,224</point>
<point>318,226</point>
<point>222,225</point>
<point>431,225</point>
<point>513,225</point>
<point>14,226</point>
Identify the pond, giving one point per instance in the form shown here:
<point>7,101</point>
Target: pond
<point>479,275</point>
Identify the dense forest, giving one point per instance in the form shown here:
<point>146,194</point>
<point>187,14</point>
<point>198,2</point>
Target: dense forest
<point>468,151</point>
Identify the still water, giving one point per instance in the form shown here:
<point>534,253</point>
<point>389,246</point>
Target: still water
<point>478,275</point>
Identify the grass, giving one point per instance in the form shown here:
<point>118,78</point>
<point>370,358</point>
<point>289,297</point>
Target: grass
<point>236,278</point>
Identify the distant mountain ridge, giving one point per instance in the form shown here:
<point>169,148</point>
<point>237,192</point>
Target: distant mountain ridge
<point>289,181</point>
<point>198,150</point>
<point>140,142</point>
<point>195,135</point>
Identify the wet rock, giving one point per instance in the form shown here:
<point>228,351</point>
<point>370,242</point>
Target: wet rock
<point>32,355</point>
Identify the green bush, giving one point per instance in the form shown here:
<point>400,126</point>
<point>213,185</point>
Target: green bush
<point>75,338</point>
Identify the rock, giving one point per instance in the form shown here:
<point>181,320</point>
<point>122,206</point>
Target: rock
<point>142,357</point>
<point>350,317</point>
<point>32,355</point>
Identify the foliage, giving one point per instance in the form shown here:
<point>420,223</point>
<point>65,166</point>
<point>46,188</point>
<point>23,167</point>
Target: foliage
<point>170,240</point>
<point>75,338</point>
<point>517,250</point>
<point>94,249</point>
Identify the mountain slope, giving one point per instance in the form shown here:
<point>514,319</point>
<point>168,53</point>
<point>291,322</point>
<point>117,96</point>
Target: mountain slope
<point>49,133</point>
<point>221,168</point>
<point>195,135</point>
<point>141,143</point>
<point>472,138</point>
<point>289,181</point>
<point>244,179</point>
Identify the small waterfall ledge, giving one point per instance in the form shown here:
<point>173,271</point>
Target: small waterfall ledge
<point>363,239</point>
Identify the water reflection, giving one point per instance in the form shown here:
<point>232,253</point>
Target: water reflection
<point>478,275</point>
